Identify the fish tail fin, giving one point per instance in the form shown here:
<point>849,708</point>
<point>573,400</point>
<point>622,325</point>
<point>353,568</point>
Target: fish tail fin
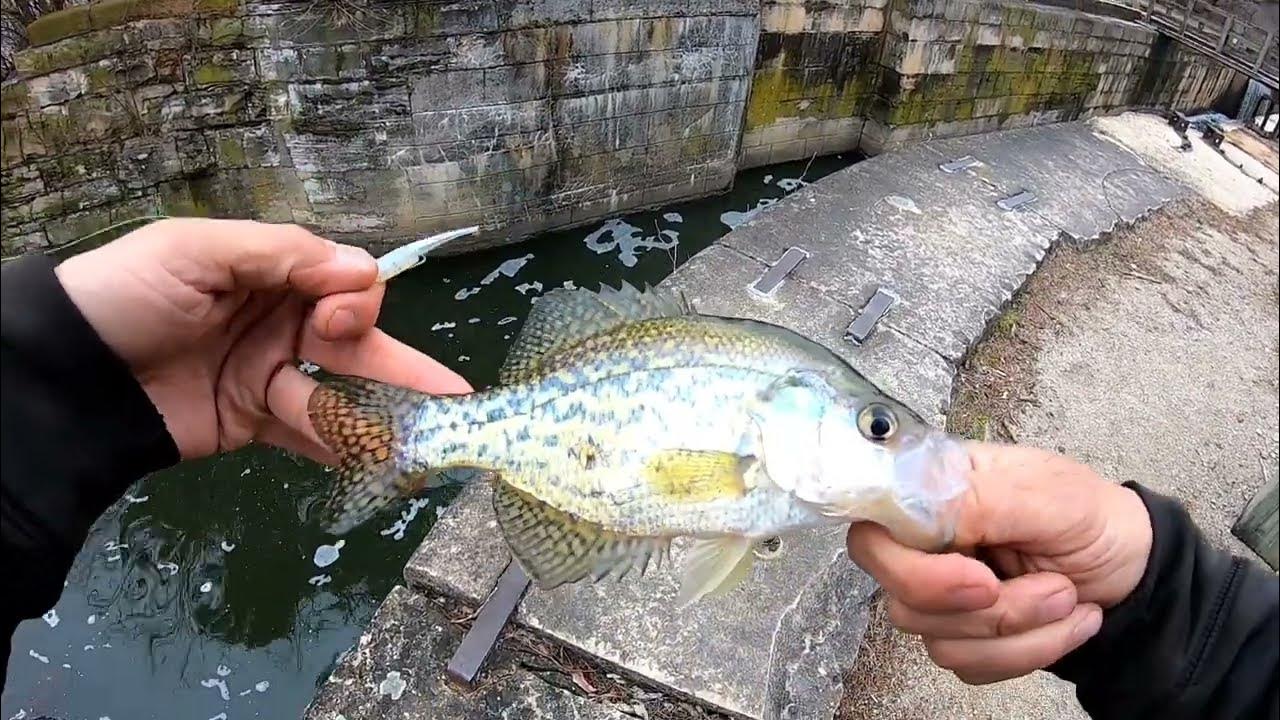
<point>363,422</point>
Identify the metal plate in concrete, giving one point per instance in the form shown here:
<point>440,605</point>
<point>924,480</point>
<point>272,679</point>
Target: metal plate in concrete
<point>778,644</point>
<point>936,240</point>
<point>396,669</point>
<point>1084,183</point>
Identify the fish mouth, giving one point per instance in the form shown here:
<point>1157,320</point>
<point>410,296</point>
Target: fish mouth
<point>931,477</point>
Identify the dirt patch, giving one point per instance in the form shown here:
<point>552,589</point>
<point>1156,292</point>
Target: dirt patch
<point>996,380</point>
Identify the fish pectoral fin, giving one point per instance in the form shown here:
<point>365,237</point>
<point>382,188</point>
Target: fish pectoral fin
<point>714,567</point>
<point>697,475</point>
<point>362,421</point>
<point>555,548</point>
<point>563,318</point>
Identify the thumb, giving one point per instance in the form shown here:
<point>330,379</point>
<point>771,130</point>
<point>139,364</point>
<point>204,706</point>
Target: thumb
<point>251,255</point>
<point>1024,496</point>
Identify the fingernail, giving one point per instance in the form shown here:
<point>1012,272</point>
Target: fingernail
<point>1057,606</point>
<point>1087,627</point>
<point>973,597</point>
<point>342,322</point>
<point>353,257</point>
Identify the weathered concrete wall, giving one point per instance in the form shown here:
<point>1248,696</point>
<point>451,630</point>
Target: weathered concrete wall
<point>377,120</point>
<point>408,118</point>
<point>875,74</point>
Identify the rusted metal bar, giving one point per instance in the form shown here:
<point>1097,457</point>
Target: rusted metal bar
<point>476,645</point>
<point>860,329</point>
<point>770,279</point>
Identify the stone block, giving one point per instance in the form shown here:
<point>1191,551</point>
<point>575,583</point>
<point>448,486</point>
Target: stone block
<point>396,668</point>
<point>454,89</point>
<point>219,67</point>
<point>244,147</point>
<point>148,161</point>
<point>347,106</point>
<point>55,26</point>
<point>70,227</point>
<point>19,183</point>
<point>335,153</point>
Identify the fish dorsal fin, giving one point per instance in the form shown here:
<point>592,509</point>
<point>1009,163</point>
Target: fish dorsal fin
<point>563,318</point>
<point>555,548</point>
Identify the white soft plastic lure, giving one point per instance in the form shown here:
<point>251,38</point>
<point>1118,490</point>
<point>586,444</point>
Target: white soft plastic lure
<point>410,256</point>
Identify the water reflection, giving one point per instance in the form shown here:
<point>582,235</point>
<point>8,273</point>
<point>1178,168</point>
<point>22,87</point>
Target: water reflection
<point>209,588</point>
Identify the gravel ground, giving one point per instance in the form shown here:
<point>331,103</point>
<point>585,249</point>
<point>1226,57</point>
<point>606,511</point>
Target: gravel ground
<point>1153,357</point>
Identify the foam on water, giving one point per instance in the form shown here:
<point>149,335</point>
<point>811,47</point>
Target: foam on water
<point>222,670</point>
<point>673,217</point>
<point>508,268</point>
<point>327,555</point>
<point>734,218</point>
<point>218,683</point>
<point>171,568</point>
<point>320,580</point>
<point>444,326</point>
<point>789,184</point>
<point>397,530</point>
<point>524,288</point>
<point>206,586</point>
<point>51,618</point>
<point>42,658</point>
<point>616,234</point>
<point>508,320</point>
<point>227,546</point>
<point>91,619</point>
<point>261,686</point>
<point>136,499</point>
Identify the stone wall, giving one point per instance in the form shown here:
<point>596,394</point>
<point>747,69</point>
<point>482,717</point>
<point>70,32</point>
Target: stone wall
<point>874,74</point>
<point>381,120</point>
<point>371,119</point>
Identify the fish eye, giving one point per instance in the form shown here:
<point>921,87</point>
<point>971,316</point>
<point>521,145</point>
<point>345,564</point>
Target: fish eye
<point>877,422</point>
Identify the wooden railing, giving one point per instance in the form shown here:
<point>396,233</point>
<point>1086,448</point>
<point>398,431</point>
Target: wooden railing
<point>1203,26</point>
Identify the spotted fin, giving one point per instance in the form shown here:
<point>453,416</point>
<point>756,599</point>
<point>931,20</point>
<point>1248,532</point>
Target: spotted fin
<point>361,421</point>
<point>563,318</point>
<point>555,548</point>
<point>697,476</point>
<point>714,566</point>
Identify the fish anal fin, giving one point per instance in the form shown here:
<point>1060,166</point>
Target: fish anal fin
<point>563,318</point>
<point>714,566</point>
<point>689,476</point>
<point>555,547</point>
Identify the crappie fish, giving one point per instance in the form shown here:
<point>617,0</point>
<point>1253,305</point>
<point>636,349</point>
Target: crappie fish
<point>624,419</point>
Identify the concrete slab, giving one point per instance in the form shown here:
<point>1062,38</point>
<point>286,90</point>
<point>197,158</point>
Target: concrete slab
<point>934,239</point>
<point>1210,173</point>
<point>1083,184</point>
<point>396,669</point>
<point>783,639</point>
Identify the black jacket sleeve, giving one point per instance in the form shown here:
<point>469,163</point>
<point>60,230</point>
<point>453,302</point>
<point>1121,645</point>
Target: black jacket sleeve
<point>1199,638</point>
<point>77,430</point>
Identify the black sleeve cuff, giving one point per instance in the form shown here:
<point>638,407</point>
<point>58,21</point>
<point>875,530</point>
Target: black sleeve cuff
<point>78,429</point>
<point>1196,638</point>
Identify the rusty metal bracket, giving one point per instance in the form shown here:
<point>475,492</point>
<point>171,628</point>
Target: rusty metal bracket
<point>773,277</point>
<point>862,326</point>
<point>476,645</point>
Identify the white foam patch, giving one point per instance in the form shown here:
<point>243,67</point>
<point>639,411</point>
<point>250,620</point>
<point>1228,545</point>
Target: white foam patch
<point>206,586</point>
<point>114,545</point>
<point>113,557</point>
<point>327,555</point>
<point>673,217</point>
<point>568,285</point>
<point>227,546</point>
<point>392,685</point>
<point>171,568</point>
<point>508,320</point>
<point>397,529</point>
<point>508,268</point>
<point>23,713</point>
<point>66,665</point>
<point>51,618</point>
<point>734,218</point>
<point>91,619</point>
<point>320,580</point>
<point>524,288</point>
<point>42,658</point>
<point>87,648</point>
<point>444,326</point>
<point>789,184</point>
<point>464,358</point>
<point>472,321</point>
<point>627,239</point>
<point>218,683</point>
<point>135,499</point>
<point>261,686</point>
<point>223,671</point>
<point>768,179</point>
<point>219,716</point>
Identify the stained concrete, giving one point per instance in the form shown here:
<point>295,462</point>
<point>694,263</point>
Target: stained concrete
<point>396,670</point>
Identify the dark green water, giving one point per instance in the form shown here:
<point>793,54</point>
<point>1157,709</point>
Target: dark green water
<point>199,595</point>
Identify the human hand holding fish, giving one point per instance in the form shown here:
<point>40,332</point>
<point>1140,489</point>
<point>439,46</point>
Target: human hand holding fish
<point>1043,546</point>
